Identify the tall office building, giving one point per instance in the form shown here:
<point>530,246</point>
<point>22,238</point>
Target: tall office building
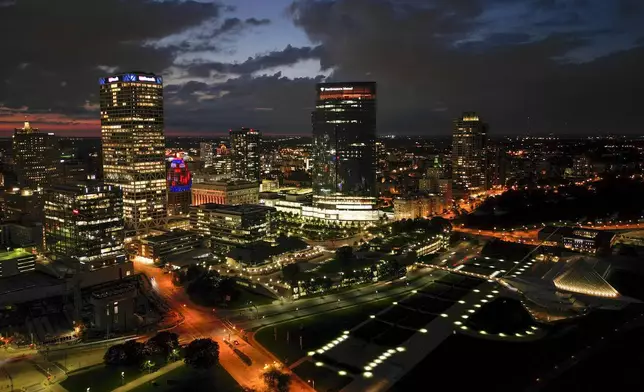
<point>344,137</point>
<point>244,144</point>
<point>134,146</point>
<point>206,153</point>
<point>468,155</point>
<point>34,155</point>
<point>84,222</point>
<point>179,186</point>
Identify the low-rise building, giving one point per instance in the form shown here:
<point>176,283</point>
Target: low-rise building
<point>16,261</point>
<point>114,307</point>
<point>418,206</point>
<point>264,257</point>
<point>84,223</point>
<point>157,248</point>
<point>231,225</point>
<point>578,239</point>
<point>232,192</point>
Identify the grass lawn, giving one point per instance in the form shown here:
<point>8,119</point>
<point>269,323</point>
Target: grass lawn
<point>245,296</point>
<point>503,315</point>
<point>100,378</point>
<point>185,379</point>
<point>334,265</point>
<point>323,378</point>
<point>242,300</point>
<point>316,330</point>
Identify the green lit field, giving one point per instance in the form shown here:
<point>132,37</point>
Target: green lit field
<point>105,378</point>
<point>315,330</point>
<point>12,254</point>
<point>186,379</point>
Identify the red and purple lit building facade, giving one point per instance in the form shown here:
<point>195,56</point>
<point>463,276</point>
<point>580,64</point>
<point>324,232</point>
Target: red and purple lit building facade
<point>179,182</point>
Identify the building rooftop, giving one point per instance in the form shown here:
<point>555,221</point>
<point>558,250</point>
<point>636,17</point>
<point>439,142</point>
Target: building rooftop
<point>171,235</point>
<point>236,182</point>
<point>582,278</point>
<point>29,280</point>
<point>13,254</point>
<point>80,186</point>
<point>236,209</point>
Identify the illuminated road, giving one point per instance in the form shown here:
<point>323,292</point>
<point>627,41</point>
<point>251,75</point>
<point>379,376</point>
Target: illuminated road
<point>520,236</point>
<point>202,322</point>
<point>530,236</point>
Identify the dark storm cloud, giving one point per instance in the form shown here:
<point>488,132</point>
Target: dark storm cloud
<point>520,81</point>
<point>257,22</point>
<point>52,49</point>
<point>289,56</point>
<point>273,103</point>
<point>234,24</point>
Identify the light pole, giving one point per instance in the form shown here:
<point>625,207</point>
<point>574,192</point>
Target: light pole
<point>122,378</point>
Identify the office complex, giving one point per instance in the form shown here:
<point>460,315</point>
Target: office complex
<point>229,192</point>
<point>134,146</point>
<point>244,144</point>
<point>179,187</point>
<point>34,156</point>
<point>84,222</point>
<point>160,248</point>
<point>419,205</point>
<point>344,137</point>
<point>231,225</point>
<point>468,155</point>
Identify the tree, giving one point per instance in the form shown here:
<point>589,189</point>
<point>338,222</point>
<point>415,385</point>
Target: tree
<point>290,272</point>
<point>163,343</point>
<point>127,354</point>
<point>344,254</point>
<point>202,354</point>
<point>276,381</point>
<point>115,355</point>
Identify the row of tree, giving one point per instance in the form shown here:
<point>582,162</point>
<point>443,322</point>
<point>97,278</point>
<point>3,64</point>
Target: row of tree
<point>199,354</point>
<point>207,287</point>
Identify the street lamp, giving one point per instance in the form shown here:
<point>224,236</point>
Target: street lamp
<point>122,378</point>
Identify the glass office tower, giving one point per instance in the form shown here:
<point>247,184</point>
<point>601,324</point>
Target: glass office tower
<point>134,146</point>
<point>469,141</point>
<point>344,137</point>
<point>244,144</point>
<point>34,156</point>
<point>84,222</point>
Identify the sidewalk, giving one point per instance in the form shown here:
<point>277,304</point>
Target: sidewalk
<point>149,377</point>
<point>297,383</point>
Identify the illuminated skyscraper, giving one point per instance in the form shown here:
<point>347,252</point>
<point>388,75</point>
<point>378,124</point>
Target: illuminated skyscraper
<point>84,222</point>
<point>344,137</point>
<point>34,155</point>
<point>244,144</point>
<point>468,155</point>
<point>134,146</point>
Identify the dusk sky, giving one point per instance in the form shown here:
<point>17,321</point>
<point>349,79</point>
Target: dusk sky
<point>527,66</point>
